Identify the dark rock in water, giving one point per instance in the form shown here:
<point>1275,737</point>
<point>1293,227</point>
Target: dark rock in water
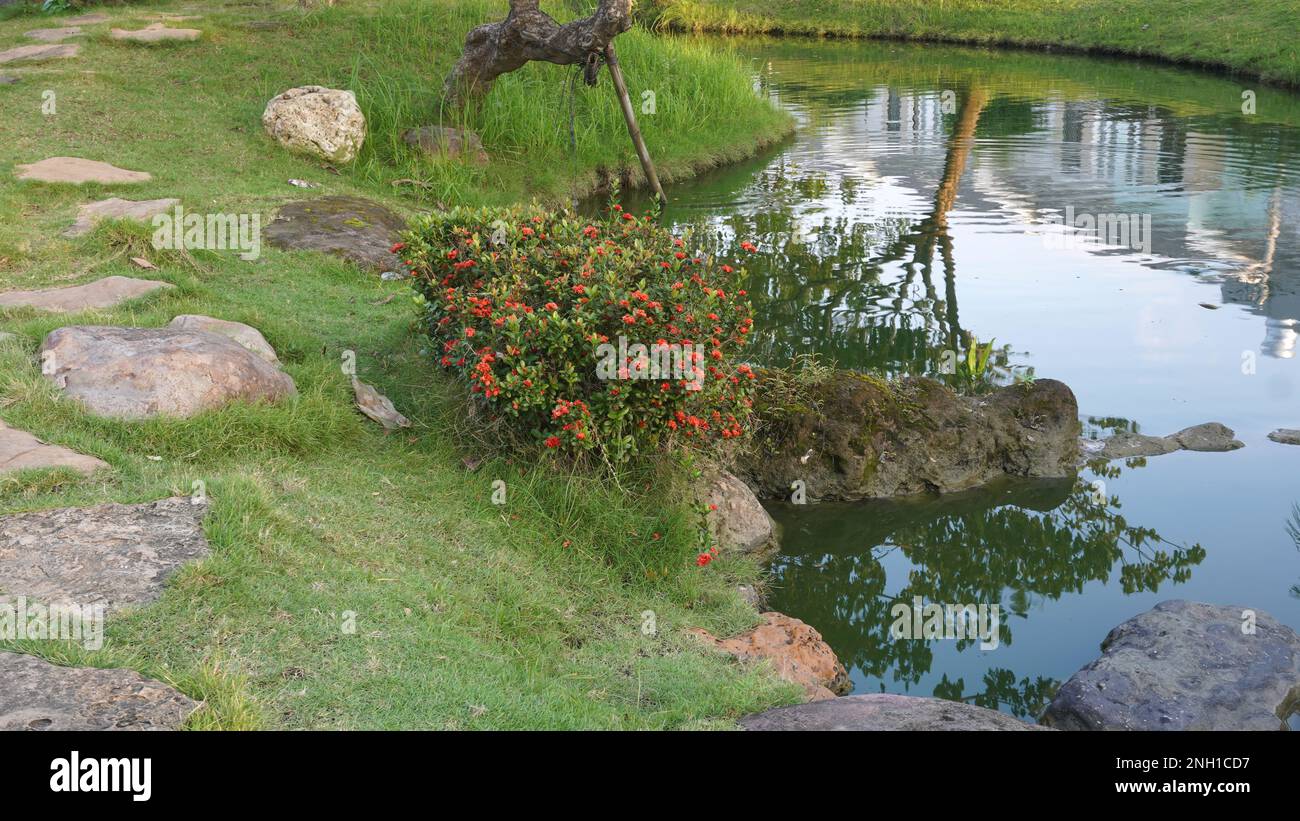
<point>1286,436</point>
<point>452,143</point>
<point>857,437</point>
<point>37,695</point>
<point>884,711</point>
<point>356,229</point>
<point>110,555</point>
<point>1186,666</point>
<point>1206,437</point>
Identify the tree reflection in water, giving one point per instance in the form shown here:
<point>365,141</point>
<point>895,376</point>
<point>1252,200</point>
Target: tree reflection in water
<point>1009,545</point>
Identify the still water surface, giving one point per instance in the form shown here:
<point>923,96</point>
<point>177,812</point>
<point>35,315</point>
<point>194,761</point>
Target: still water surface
<point>917,210</point>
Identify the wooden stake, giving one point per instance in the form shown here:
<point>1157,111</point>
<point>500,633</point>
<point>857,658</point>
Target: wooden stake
<point>633,129</point>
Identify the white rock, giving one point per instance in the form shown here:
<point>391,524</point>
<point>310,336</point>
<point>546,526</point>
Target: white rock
<point>322,122</point>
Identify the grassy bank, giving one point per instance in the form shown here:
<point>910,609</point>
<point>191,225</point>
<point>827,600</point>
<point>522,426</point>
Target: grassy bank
<point>1251,38</point>
<point>358,580</point>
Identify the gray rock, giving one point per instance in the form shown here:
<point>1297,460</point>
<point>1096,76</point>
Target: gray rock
<point>135,373</point>
<point>108,292</point>
<point>356,229</point>
<point>37,695</point>
<point>321,122</point>
<point>20,450</point>
<point>858,437</point>
<point>115,208</point>
<point>448,142</point>
<point>110,556</point>
<point>883,711</point>
<point>737,521</point>
<point>1205,437</point>
<point>1185,666</point>
<point>1286,436</point>
<point>245,335</point>
<point>7,81</point>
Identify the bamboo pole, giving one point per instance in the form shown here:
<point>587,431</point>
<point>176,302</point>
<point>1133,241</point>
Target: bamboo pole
<point>633,130</point>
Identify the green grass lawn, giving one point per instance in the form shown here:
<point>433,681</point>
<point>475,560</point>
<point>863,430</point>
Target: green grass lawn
<point>359,580</point>
<point>1256,38</point>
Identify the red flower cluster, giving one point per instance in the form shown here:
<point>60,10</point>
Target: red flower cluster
<point>525,305</point>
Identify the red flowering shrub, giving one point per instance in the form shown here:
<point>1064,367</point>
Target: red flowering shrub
<point>602,334</point>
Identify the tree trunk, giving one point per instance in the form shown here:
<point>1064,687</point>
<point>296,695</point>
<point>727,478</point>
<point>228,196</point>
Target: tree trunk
<point>528,34</point>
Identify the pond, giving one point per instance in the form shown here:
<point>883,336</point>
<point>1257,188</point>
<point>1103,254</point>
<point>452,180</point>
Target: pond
<point>936,198</point>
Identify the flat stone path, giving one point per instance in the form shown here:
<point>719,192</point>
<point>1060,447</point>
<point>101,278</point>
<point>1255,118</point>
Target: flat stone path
<point>77,170</point>
<point>53,35</point>
<point>116,208</point>
<point>155,33</point>
<point>19,450</point>
<point>42,52</point>
<point>111,555</point>
<point>101,294</point>
<point>87,19</point>
<point>37,695</point>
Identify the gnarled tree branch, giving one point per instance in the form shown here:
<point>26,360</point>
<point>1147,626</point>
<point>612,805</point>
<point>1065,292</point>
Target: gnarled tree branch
<point>528,34</point>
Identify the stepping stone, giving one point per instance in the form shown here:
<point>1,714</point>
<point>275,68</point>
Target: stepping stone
<point>155,33</point>
<point>245,335</point>
<point>115,208</point>
<point>44,52</point>
<point>77,170</point>
<point>20,450</point>
<point>111,555</point>
<point>108,292</point>
<point>7,81</point>
<point>53,35</point>
<point>37,695</point>
<point>137,373</point>
<point>87,19</point>
<point>1286,436</point>
<point>350,227</point>
<point>5,336</point>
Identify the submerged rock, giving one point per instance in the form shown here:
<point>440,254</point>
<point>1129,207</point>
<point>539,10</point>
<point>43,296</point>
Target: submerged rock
<point>858,437</point>
<point>795,649</point>
<point>1286,436</point>
<point>1186,666</point>
<point>37,695</point>
<point>356,229</point>
<point>322,122</point>
<point>136,373</point>
<point>1210,437</point>
<point>883,711</point>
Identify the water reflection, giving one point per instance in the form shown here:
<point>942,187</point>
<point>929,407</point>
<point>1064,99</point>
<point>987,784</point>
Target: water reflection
<point>1015,546</point>
<point>913,215</point>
